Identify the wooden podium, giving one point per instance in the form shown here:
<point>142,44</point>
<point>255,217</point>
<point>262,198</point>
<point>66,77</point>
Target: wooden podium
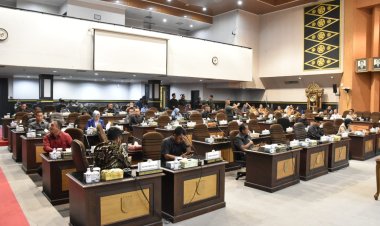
<point>181,200</point>
<point>116,202</point>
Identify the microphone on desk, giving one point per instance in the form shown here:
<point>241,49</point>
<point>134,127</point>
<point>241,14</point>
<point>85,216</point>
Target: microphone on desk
<point>224,135</point>
<point>138,139</point>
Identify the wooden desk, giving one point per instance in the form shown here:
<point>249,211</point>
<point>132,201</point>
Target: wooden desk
<point>360,125</point>
<point>55,183</point>
<point>219,131</point>
<point>5,122</point>
<point>272,172</point>
<point>139,131</point>
<point>112,119</point>
<point>202,147</point>
<point>31,150</point>
<point>118,202</point>
<point>339,154</point>
<point>262,139</point>
<point>314,161</point>
<point>9,131</point>
<point>16,145</point>
<point>362,147</point>
<point>264,125</point>
<point>179,199</point>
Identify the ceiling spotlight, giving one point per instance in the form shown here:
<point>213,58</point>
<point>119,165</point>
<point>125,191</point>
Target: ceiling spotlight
<point>103,79</point>
<point>204,9</point>
<point>299,78</point>
<point>184,16</point>
<point>64,78</point>
<point>169,0</point>
<point>71,76</point>
<point>240,2</point>
<point>96,74</point>
<point>117,2</point>
<point>55,71</point>
<point>164,20</point>
<point>201,80</point>
<point>150,9</point>
<point>332,77</point>
<point>28,76</point>
<point>134,75</point>
<point>191,25</point>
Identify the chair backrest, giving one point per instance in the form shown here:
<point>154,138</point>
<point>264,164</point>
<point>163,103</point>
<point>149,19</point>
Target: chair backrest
<point>101,109</point>
<point>72,117</point>
<point>299,131</point>
<point>163,120</point>
<point>366,115</point>
<point>284,122</point>
<point>196,117</point>
<point>49,108</point>
<point>345,113</point>
<point>328,128</point>
<point>75,134</point>
<point>101,133</point>
<point>79,156</point>
<point>253,125</point>
<point>154,109</point>
<point>277,135</point>
<point>252,116</point>
<point>233,134</point>
<point>200,132</point>
<point>375,116</point>
<point>277,115</point>
<point>82,121</point>
<point>25,120</point>
<point>151,145</point>
<point>359,114</point>
<point>149,114</point>
<point>169,112</point>
<point>337,123</point>
<point>19,116</point>
<point>309,115</point>
<point>55,116</point>
<point>221,116</point>
<point>233,125</point>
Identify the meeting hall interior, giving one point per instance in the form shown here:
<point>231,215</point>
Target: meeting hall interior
<point>190,112</point>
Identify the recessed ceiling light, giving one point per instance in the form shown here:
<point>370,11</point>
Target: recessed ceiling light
<point>299,78</point>
<point>204,9</point>
<point>28,76</point>
<point>55,71</point>
<point>96,80</point>
<point>96,74</point>
<point>191,25</point>
<point>332,76</point>
<point>240,2</point>
<point>201,80</point>
<point>134,75</point>
<point>164,20</point>
<point>150,9</point>
<point>103,79</point>
<point>117,2</point>
<point>169,0</point>
<point>64,78</point>
<point>185,16</point>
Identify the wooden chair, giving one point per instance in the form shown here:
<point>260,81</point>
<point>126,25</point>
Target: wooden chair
<point>196,117</point>
<point>284,122</point>
<point>101,109</point>
<point>239,156</point>
<point>72,117</point>
<point>377,178</point>
<point>163,120</point>
<point>233,125</point>
<point>345,113</point>
<point>375,116</point>
<point>253,125</point>
<point>56,116</point>
<point>252,115</point>
<point>102,135</point>
<point>200,132</point>
<point>277,135</point>
<point>154,109</point>
<point>299,131</point>
<point>169,112</point>
<point>359,114</point>
<point>82,121</point>
<point>151,145</point>
<point>19,116</point>
<point>49,108</point>
<point>277,115</point>
<point>75,134</point>
<point>328,128</point>
<point>337,123</point>
<point>79,156</point>
<point>221,116</point>
<point>366,115</point>
<point>149,114</point>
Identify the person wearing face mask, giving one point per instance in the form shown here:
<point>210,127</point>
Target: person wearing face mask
<point>95,120</point>
<point>315,131</point>
<point>111,154</point>
<point>56,138</point>
<point>175,145</point>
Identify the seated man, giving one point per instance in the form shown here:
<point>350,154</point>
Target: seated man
<point>39,123</point>
<point>206,112</point>
<point>111,154</point>
<point>136,118</point>
<point>23,108</point>
<point>315,131</point>
<point>242,141</point>
<point>303,120</point>
<point>175,145</point>
<point>95,120</point>
<point>110,109</point>
<point>56,138</point>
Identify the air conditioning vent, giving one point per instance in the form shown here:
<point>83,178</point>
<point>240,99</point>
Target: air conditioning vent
<point>291,82</point>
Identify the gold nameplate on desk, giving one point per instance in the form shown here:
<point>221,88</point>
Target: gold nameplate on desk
<point>124,206</point>
<point>285,168</point>
<point>227,154</point>
<point>368,146</point>
<point>340,153</point>
<point>317,160</point>
<point>39,150</point>
<point>207,188</point>
<point>65,179</point>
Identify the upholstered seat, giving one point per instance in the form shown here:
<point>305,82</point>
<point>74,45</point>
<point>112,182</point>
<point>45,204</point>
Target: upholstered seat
<point>200,132</point>
<point>239,156</point>
<point>337,123</point>
<point>149,114</point>
<point>49,109</point>
<point>277,135</point>
<point>163,120</point>
<point>196,117</point>
<point>151,145</point>
<point>277,115</point>
<point>299,131</point>
<point>345,113</point>
<point>375,116</point>
<point>76,134</point>
<point>328,128</point>
<point>19,116</point>
<point>254,126</point>
<point>79,156</point>
<point>82,121</point>
<point>284,122</point>
<point>220,116</point>
<point>233,125</point>
<point>72,117</point>
<point>102,135</point>
<point>252,115</point>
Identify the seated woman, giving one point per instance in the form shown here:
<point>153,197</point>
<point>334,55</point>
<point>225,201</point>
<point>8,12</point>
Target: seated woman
<point>111,154</point>
<point>175,114</point>
<point>95,120</point>
<point>345,127</point>
<point>351,114</point>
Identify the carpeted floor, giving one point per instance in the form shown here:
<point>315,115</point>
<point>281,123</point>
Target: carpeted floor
<point>342,198</point>
<point>10,211</point>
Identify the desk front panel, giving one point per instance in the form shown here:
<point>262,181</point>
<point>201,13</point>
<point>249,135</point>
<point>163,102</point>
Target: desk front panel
<point>314,161</point>
<point>362,148</point>
<point>5,124</point>
<point>339,154</point>
<point>9,137</point>
<point>31,150</point>
<point>16,145</point>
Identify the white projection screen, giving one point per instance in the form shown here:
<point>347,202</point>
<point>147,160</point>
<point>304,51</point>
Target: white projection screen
<point>120,52</point>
